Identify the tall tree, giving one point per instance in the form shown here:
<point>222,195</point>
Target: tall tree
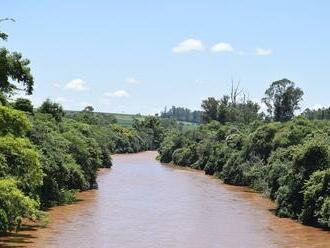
<point>282,99</point>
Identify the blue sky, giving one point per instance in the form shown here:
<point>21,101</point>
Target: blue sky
<point>138,56</point>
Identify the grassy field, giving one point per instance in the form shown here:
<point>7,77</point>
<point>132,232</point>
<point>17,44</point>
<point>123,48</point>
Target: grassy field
<point>126,120</point>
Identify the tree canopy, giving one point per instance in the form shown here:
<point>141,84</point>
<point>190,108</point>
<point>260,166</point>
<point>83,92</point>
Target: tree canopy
<point>282,99</point>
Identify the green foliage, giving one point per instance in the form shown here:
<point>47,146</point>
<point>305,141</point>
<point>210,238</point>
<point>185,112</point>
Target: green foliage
<point>184,156</point>
<point>14,206</point>
<point>316,199</point>
<point>260,143</point>
<point>52,108</point>
<point>289,162</point>
<point>282,99</point>
<point>230,109</point>
<point>24,105</point>
<point>311,156</point>
<point>21,161</point>
<point>171,142</point>
<point>13,122</point>
<point>210,109</point>
<point>233,170</point>
<point>14,68</point>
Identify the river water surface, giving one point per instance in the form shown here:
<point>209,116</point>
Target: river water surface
<point>141,203</point>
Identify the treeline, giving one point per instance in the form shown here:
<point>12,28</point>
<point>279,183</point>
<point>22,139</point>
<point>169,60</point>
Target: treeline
<point>45,156</point>
<point>182,114</point>
<point>317,114</point>
<point>285,157</point>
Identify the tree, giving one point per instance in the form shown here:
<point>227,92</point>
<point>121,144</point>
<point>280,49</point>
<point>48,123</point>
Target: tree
<point>23,104</point>
<point>88,109</point>
<point>13,122</point>
<point>52,108</point>
<point>210,109</point>
<point>14,68</point>
<point>282,99</point>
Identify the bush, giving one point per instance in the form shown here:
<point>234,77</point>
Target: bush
<point>24,105</point>
<point>279,166</point>
<point>233,171</point>
<point>184,156</point>
<point>217,159</point>
<point>14,206</point>
<point>311,156</point>
<point>260,142</point>
<point>316,196</point>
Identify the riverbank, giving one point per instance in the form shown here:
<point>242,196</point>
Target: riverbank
<point>142,203</point>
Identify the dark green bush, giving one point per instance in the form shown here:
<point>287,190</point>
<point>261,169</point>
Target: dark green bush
<point>316,196</point>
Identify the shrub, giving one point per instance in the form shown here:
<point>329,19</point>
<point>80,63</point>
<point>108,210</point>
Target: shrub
<point>316,194</point>
<point>184,156</point>
<point>233,171</point>
<point>14,206</point>
<point>22,162</point>
<point>260,142</point>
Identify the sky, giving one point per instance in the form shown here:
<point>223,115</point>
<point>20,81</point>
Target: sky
<point>140,56</point>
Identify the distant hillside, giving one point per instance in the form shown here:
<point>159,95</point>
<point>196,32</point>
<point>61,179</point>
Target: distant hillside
<point>126,120</point>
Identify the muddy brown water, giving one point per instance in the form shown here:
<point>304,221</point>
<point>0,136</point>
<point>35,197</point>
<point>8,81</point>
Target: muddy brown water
<point>141,203</point>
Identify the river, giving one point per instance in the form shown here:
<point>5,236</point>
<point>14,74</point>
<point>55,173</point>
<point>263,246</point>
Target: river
<point>142,203</point>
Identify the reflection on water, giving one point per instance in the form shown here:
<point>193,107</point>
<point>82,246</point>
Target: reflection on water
<point>141,203</point>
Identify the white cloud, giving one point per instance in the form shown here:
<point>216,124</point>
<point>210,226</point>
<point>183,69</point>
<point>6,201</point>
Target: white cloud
<point>118,94</point>
<point>132,81</point>
<point>76,85</point>
<point>188,46</point>
<point>263,51</point>
<point>222,47</point>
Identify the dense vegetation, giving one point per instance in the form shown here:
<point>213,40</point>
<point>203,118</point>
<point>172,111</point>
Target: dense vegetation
<point>46,157</point>
<point>285,157</point>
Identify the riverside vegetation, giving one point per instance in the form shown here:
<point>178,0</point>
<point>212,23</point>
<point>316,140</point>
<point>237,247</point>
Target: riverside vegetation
<point>285,157</point>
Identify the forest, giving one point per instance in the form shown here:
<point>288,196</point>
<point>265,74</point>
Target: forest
<point>286,158</point>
